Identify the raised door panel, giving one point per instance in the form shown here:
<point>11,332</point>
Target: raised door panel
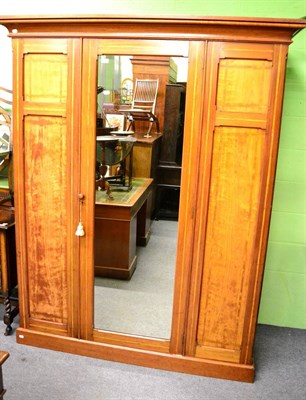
<point>238,163</point>
<point>46,214</point>
<point>234,199</point>
<point>46,155</point>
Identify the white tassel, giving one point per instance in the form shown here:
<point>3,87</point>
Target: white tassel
<point>80,230</point>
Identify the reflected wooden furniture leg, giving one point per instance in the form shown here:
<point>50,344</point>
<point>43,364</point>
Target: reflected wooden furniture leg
<point>10,314</point>
<point>3,356</point>
<point>8,268</point>
<point>144,222</point>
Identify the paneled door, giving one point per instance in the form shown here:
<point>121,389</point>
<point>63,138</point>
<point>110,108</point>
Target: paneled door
<point>46,147</point>
<point>95,313</point>
<point>243,88</point>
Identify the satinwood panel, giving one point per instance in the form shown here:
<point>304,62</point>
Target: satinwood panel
<point>46,78</point>
<point>238,87</point>
<point>231,229</point>
<point>45,207</point>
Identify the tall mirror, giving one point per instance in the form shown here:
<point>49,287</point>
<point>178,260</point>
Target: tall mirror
<point>139,132</point>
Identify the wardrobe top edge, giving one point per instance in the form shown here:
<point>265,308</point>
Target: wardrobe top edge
<point>299,23</point>
<point>155,27</point>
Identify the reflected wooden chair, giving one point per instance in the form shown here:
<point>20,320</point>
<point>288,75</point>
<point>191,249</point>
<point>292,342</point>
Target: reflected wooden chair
<point>6,175</point>
<point>143,105</point>
<point>6,103</point>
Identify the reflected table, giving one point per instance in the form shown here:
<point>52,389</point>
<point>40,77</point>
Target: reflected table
<point>114,150</point>
<point>120,225</point>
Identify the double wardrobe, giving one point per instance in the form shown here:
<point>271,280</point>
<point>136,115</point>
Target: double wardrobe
<point>233,106</point>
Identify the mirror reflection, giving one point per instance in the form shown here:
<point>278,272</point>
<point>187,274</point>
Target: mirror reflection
<point>139,140</point>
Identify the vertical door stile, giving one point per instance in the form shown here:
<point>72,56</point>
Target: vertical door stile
<point>208,99</point>
<point>87,185</point>
<point>74,122</point>
<point>188,202</point>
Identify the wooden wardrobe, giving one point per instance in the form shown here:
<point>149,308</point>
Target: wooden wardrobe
<point>233,112</point>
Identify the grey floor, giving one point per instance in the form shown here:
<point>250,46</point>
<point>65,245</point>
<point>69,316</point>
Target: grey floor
<point>38,374</point>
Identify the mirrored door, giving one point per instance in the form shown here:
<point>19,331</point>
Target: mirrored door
<point>134,181</point>
<point>137,192</point>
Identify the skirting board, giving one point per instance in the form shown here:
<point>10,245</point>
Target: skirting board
<point>144,358</point>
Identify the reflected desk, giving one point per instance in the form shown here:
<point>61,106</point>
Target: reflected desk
<point>120,225</point>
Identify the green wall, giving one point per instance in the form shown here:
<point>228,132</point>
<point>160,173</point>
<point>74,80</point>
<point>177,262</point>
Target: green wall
<point>284,290</point>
